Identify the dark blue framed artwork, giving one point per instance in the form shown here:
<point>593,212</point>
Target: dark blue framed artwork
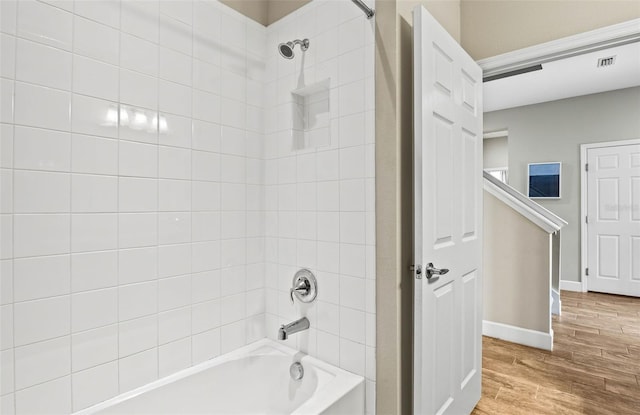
<point>544,180</point>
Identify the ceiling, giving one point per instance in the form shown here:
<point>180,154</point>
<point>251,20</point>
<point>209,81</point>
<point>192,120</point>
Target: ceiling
<point>565,78</point>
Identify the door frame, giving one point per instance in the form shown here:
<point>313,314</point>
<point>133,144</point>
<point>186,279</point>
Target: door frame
<point>584,198</point>
<point>593,40</point>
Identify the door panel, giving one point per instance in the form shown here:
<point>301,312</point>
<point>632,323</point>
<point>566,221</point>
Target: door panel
<point>613,210</point>
<point>448,220</point>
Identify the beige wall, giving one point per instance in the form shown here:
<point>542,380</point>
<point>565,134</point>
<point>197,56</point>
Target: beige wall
<point>394,200</point>
<point>253,9</point>
<point>495,153</point>
<point>265,11</point>
<point>517,284</point>
<point>493,27</point>
<point>280,8</point>
<point>553,131</point>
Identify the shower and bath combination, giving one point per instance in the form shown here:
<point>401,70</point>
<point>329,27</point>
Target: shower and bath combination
<point>286,48</point>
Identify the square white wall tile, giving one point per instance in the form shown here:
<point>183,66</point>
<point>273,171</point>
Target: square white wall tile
<point>6,327</point>
<point>174,292</point>
<point>205,286</point>
<point>175,98</point>
<point>94,385</point>
<point>6,282</point>
<point>174,163</point>
<point>93,309</point>
<point>44,23</point>
<point>39,106</point>
<point>174,324</point>
<point>40,149</point>
<point>137,230</point>
<point>138,369</point>
<point>174,228</point>
<point>48,397</point>
<point>139,55</point>
<point>175,34</point>
<point>174,130</point>
<point>95,78</point>
<point>7,375</point>
<point>94,270</point>
<point>175,66</point>
<point>42,234</point>
<point>94,155</point>
<point>137,159</point>
<point>93,116</point>
<point>140,18</point>
<point>7,102</point>
<point>137,335</point>
<point>175,195</point>
<point>41,277</point>
<point>137,123</point>
<point>174,260</point>
<point>42,319</point>
<point>352,356</point>
<point>233,336</point>
<point>137,194</point>
<point>94,231</point>
<point>205,316</point>
<point>208,107</point>
<point>205,256</point>
<point>41,192</point>
<point>42,361</point>
<point>206,345</point>
<point>6,145</point>
<point>206,136</point>
<point>137,265</point>
<point>104,11</point>
<point>93,193</point>
<point>94,347</point>
<point>95,40</point>
<point>43,65</point>
<point>138,89</point>
<point>174,356</point>
<point>137,300</point>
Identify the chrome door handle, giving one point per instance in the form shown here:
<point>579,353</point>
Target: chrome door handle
<point>430,270</point>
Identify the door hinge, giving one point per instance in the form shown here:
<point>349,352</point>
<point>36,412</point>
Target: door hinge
<point>586,219</point>
<point>417,269</point>
<point>586,167</point>
<point>586,271</point>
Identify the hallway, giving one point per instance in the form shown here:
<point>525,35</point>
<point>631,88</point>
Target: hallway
<point>593,369</point>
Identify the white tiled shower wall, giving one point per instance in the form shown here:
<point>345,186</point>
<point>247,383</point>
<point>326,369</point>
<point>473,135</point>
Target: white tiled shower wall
<point>149,186</point>
<point>320,201</point>
<point>132,241</point>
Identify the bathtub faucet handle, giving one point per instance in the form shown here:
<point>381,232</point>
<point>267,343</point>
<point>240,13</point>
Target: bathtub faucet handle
<point>305,287</point>
<point>301,287</point>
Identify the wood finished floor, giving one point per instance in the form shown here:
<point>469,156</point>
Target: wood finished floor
<point>594,367</point>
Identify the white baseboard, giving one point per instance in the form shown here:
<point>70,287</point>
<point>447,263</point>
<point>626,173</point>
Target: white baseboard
<point>532,338</point>
<point>556,303</point>
<point>571,286</point>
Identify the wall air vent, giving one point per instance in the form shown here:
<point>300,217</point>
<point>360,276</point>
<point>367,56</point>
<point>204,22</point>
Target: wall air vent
<point>609,61</point>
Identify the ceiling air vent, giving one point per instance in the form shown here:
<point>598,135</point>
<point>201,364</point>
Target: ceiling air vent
<point>602,62</point>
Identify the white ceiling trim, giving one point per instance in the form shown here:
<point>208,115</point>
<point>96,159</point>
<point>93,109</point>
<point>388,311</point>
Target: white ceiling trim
<point>606,37</point>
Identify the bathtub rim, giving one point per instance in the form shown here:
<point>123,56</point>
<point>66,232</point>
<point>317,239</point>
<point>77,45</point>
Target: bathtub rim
<point>343,381</point>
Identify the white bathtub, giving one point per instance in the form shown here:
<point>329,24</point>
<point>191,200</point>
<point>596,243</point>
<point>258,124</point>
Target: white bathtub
<point>252,380</point>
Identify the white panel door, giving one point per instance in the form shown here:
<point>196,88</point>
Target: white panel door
<point>448,221</point>
<point>613,226</point>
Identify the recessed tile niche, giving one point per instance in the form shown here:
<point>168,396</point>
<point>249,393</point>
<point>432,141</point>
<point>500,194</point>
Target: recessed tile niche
<point>311,116</point>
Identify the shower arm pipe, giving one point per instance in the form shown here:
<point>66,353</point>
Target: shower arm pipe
<point>366,9</point>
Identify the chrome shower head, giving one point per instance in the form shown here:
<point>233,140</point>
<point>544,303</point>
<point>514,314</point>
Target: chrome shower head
<point>286,48</point>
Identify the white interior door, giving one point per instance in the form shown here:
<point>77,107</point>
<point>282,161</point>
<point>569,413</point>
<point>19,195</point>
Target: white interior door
<point>448,221</point>
<point>613,226</point>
